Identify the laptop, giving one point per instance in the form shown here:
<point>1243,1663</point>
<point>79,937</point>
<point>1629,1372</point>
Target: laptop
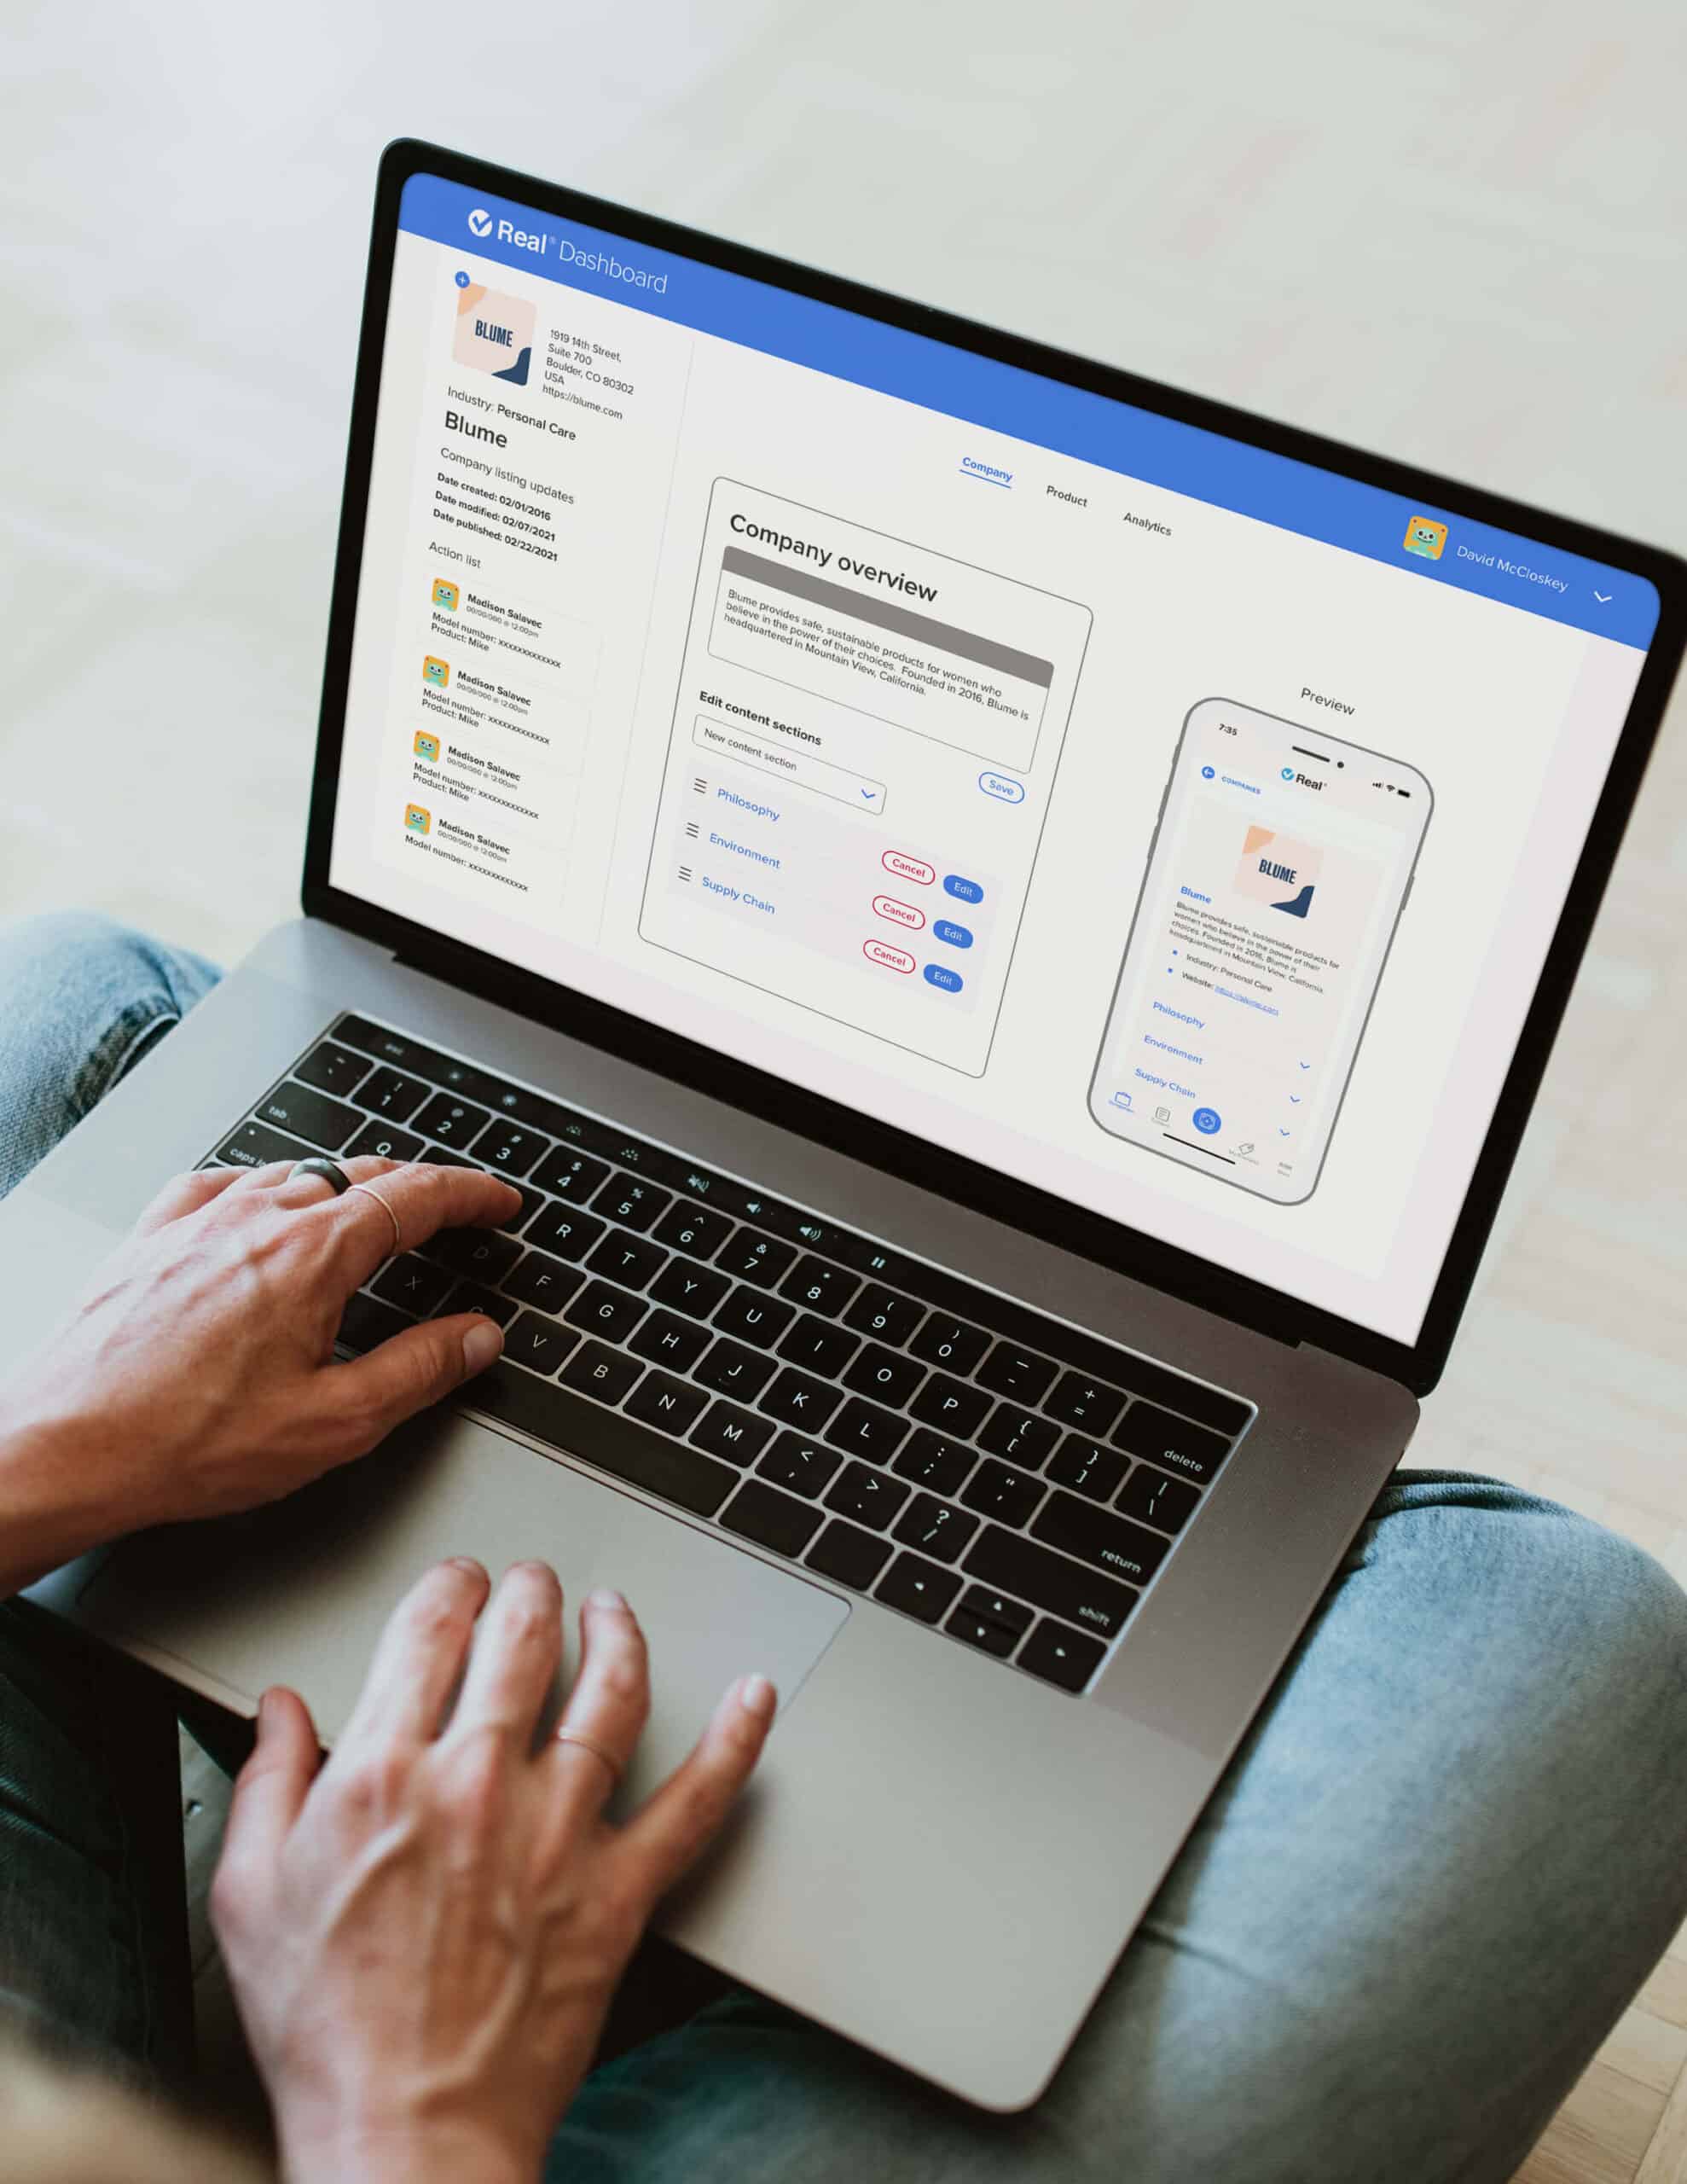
<point>1006,921</point>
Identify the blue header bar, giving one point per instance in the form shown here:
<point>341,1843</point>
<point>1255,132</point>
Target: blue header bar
<point>1137,444</point>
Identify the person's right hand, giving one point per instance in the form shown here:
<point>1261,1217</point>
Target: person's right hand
<point>424,1936</point>
<point>198,1376</point>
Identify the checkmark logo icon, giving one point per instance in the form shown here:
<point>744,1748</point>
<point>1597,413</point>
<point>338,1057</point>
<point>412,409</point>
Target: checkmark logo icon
<point>480,222</point>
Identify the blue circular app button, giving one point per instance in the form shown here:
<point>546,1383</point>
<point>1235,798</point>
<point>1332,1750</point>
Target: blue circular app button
<point>1207,1121</point>
<point>462,280</point>
<point>1206,772</point>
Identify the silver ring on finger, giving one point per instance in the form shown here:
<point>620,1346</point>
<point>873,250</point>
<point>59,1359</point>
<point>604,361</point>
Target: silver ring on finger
<point>330,1171</point>
<point>381,1200</point>
<point>565,1735</point>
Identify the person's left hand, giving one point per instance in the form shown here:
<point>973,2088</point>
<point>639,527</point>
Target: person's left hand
<point>198,1376</point>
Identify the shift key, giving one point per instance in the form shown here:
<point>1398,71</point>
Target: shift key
<point>310,1114</point>
<point>1129,1551</point>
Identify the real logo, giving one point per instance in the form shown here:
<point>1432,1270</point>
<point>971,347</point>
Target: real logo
<point>480,221</point>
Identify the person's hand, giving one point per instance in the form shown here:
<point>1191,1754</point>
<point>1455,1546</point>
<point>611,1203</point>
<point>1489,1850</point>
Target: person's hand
<point>424,1936</point>
<point>197,1376</point>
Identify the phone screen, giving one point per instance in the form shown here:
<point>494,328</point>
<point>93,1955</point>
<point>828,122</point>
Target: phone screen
<point>1277,876</point>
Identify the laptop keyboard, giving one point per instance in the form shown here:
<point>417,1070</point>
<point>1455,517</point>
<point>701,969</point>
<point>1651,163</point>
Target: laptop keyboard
<point>1009,1481</point>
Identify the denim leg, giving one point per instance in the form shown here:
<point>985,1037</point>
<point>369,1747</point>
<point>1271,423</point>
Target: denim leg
<point>93,1941</point>
<point>94,1961</point>
<point>81,1000</point>
<point>1448,1853</point>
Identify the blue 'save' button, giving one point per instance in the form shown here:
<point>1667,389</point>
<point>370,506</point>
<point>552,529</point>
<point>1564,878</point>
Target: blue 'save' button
<point>1004,787</point>
<point>957,936</point>
<point>939,975</point>
<point>964,890</point>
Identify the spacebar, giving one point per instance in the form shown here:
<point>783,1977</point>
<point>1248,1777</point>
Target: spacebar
<point>603,1438</point>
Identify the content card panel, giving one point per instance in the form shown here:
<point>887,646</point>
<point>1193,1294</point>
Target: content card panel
<point>863,743</point>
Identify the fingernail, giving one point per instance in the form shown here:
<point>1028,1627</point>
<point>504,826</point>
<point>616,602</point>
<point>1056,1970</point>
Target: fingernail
<point>606,1596</point>
<point>468,1565</point>
<point>757,1696</point>
<point>481,1344</point>
<point>266,1707</point>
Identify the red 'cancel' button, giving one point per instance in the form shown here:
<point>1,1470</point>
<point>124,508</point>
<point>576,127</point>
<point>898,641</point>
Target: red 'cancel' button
<point>908,867</point>
<point>901,914</point>
<point>893,959</point>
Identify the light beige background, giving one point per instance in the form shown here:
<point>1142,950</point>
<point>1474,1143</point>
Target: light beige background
<point>1452,233</point>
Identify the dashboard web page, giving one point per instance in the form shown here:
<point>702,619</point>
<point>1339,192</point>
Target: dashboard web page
<point>1174,827</point>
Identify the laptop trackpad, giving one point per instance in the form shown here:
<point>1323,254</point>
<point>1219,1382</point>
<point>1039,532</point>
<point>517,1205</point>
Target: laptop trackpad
<point>297,1594</point>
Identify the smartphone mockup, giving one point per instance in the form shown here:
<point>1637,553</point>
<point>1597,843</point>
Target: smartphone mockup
<point>1276,880</point>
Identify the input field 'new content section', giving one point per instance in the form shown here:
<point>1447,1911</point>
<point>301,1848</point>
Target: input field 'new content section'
<point>864,741</point>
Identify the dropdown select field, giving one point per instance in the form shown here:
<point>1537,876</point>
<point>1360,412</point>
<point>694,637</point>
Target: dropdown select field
<point>859,790</point>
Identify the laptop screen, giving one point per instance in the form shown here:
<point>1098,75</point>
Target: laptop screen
<point>1174,825</point>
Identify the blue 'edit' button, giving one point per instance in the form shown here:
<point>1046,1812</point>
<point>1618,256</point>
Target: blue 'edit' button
<point>957,936</point>
<point>1207,1121</point>
<point>939,975</point>
<point>1003,787</point>
<point>964,890</point>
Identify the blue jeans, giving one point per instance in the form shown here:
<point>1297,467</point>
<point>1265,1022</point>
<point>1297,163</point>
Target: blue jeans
<point>1450,1849</point>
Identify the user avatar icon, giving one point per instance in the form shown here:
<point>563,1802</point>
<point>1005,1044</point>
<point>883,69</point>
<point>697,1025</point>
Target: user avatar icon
<point>426,746</point>
<point>418,819</point>
<point>445,594</point>
<point>1424,536</point>
<point>436,671</point>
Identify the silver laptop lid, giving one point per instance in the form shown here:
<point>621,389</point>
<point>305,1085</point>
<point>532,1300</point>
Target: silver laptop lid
<point>1172,833</point>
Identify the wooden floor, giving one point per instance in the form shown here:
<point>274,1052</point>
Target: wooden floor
<point>1452,232</point>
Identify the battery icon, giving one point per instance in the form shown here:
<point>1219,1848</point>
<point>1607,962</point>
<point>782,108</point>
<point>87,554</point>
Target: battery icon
<point>1402,792</point>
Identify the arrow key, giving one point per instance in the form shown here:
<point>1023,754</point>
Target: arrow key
<point>1060,1656</point>
<point>918,1588</point>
